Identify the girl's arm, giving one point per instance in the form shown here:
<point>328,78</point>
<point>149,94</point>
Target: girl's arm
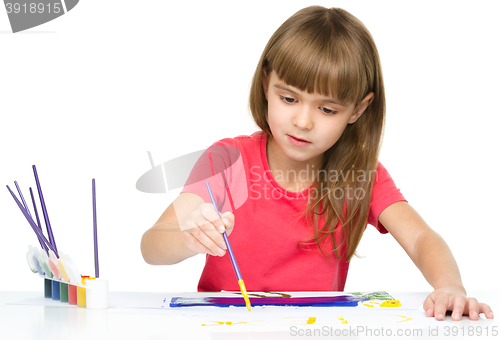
<point>433,257</point>
<point>184,230</point>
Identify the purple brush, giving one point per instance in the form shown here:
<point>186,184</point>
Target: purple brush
<point>96,255</point>
<point>22,198</point>
<point>38,222</point>
<point>32,223</point>
<point>28,211</point>
<point>231,254</point>
<point>36,211</point>
<point>44,210</point>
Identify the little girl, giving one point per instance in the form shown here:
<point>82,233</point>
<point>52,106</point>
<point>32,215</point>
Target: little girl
<point>299,194</point>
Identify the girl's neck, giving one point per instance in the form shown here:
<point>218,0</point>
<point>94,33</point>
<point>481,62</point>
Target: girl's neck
<point>290,174</point>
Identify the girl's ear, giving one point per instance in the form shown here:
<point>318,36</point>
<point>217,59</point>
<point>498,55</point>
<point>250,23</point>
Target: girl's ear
<point>358,111</point>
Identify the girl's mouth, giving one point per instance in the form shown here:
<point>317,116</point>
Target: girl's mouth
<point>298,141</point>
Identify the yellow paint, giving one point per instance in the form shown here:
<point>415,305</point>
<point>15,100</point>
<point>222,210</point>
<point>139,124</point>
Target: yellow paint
<point>216,323</point>
<point>245,295</point>
<point>364,304</point>
<point>81,293</point>
<point>406,318</point>
<point>391,303</point>
<point>311,320</point>
<point>81,296</point>
<point>229,323</point>
<point>62,271</point>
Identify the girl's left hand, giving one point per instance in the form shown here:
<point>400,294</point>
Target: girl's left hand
<point>455,300</point>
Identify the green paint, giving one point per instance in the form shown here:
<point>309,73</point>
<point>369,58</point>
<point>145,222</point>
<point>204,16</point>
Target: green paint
<point>376,296</point>
<point>64,292</point>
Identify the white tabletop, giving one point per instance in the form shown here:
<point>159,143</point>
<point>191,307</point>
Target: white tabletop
<point>56,320</point>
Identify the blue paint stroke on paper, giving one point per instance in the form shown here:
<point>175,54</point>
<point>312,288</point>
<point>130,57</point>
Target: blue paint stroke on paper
<point>316,301</point>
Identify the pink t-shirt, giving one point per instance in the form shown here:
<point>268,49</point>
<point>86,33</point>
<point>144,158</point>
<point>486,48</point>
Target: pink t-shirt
<point>270,223</point>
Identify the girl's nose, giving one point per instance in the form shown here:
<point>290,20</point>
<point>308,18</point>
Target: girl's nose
<point>303,119</point>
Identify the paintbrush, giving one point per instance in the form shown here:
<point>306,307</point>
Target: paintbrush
<point>231,255</point>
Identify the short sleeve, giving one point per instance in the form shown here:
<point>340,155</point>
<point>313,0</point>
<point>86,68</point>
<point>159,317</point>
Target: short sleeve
<point>221,165</point>
<point>384,194</point>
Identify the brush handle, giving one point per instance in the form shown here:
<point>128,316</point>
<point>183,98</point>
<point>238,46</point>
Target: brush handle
<point>31,222</point>
<point>231,255</point>
<point>96,251</point>
<point>44,211</point>
<point>226,239</point>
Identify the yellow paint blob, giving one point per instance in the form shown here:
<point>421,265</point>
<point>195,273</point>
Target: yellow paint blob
<point>343,320</point>
<point>311,320</point>
<point>391,303</point>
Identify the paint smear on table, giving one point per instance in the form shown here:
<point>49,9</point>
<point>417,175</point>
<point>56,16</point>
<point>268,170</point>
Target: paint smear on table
<point>315,301</point>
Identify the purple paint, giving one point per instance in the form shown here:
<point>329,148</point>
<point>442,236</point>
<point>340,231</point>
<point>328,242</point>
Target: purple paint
<point>316,301</point>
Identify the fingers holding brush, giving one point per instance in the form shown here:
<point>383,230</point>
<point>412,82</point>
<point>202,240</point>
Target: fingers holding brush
<point>202,232</point>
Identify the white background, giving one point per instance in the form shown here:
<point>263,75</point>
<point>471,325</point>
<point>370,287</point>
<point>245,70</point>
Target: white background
<point>88,94</point>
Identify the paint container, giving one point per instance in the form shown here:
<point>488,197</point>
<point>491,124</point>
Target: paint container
<point>47,288</point>
<point>64,292</point>
<point>56,290</point>
<point>44,261</point>
<point>82,293</point>
<point>52,263</point>
<point>38,266</point>
<point>72,295</point>
<point>97,294</point>
<point>29,258</point>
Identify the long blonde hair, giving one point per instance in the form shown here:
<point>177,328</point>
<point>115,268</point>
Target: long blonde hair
<point>330,52</point>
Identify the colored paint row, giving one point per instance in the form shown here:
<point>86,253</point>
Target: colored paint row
<point>94,296</point>
<point>62,281</point>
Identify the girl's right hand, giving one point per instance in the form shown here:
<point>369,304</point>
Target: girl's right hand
<point>203,231</point>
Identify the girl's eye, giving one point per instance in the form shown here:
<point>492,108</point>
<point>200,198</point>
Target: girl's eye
<point>327,111</point>
<point>288,100</point>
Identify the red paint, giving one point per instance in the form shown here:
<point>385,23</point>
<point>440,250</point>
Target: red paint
<point>72,294</point>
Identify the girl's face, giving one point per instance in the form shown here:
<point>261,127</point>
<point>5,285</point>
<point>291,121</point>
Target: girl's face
<point>305,125</point>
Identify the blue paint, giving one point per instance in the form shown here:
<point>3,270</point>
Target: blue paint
<point>38,266</point>
<point>56,290</point>
<point>316,301</point>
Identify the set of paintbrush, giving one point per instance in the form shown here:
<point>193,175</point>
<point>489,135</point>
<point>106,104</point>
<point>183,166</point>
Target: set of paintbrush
<point>63,281</point>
